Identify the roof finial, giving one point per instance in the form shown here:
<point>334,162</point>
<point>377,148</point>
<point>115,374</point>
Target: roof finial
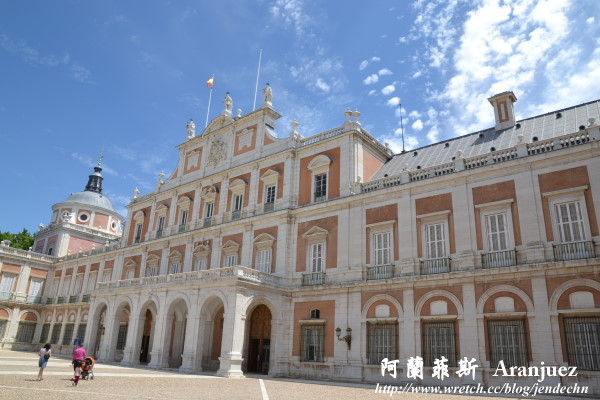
<point>101,156</point>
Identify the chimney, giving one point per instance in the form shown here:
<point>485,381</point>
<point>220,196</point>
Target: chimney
<point>504,110</point>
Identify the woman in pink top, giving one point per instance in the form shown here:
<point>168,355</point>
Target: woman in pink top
<point>78,357</point>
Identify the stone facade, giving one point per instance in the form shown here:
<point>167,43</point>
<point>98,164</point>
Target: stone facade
<point>257,248</point>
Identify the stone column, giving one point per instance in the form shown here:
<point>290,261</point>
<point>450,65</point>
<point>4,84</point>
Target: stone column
<point>190,347</point>
<point>109,340</point>
<point>150,231</point>
<point>163,268</point>
<point>462,215</point>
<point>158,358</point>
<point>469,335</point>
<point>223,195</point>
<point>189,253</point>
<point>540,327</point>
<point>531,217</point>
<point>23,280</point>
<point>407,237</point>
<point>195,219</point>
<point>408,347</point>
<point>253,201</point>
<point>233,338</point>
<point>130,357</point>
<point>247,246</point>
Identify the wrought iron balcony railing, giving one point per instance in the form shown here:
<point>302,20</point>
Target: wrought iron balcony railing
<point>499,259</point>
<point>380,272</point>
<point>435,266</point>
<point>313,278</point>
<point>573,251</point>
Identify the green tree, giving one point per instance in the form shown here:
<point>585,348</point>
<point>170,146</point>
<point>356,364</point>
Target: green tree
<point>22,240</point>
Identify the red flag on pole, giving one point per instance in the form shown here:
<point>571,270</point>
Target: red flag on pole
<point>210,82</point>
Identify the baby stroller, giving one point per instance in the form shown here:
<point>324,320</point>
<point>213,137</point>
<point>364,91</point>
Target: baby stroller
<point>87,368</point>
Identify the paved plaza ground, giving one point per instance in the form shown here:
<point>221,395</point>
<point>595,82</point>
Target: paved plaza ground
<point>18,372</point>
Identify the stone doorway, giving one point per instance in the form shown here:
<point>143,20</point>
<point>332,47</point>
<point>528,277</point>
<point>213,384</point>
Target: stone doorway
<point>259,340</point>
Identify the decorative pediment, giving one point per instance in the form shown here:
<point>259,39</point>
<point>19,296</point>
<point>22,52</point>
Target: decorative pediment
<point>217,124</point>
<point>131,264</point>
<point>184,202</point>
<point>320,161</point>
<point>238,186</point>
<point>231,245</point>
<point>153,259</point>
<point>161,208</point>
<point>264,240</point>
<point>209,193</point>
<point>201,250</point>
<point>139,216</point>
<point>175,256</point>
<point>316,232</point>
<point>269,176</point>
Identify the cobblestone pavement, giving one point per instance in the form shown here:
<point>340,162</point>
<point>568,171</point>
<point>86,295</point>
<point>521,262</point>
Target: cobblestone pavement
<point>18,372</point>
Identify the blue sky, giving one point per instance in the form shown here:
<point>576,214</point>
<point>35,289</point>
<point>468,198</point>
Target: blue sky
<point>125,76</point>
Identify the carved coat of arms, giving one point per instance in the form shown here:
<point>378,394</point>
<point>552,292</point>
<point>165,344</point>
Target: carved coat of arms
<point>217,152</point>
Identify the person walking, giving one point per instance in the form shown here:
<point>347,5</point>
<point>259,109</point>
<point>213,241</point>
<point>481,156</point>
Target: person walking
<point>44,354</point>
<point>78,357</point>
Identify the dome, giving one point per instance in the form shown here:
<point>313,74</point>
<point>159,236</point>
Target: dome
<point>93,199</point>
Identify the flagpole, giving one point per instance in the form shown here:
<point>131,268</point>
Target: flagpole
<point>257,74</point>
<point>208,111</point>
<point>402,127</point>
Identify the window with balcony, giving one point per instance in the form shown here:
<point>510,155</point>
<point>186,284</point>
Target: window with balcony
<point>34,294</point>
<point>435,241</point>
<point>270,192</point>
<point>200,264</point>
<point>230,253</point>
<point>316,257</point>
<point>138,233</point>
<point>263,260</point>
<point>263,248</point>
<point>238,202</point>
<point>91,283</point>
<point>175,262</point>
<point>507,342</point>
<point>209,196</point>
<point>201,255</point>
<point>238,189</point>
<point>152,263</point>
<point>130,274</point>
<point>183,220</point>
<point>497,234</point>
<point>106,275</point>
<point>6,286</point>
<point>319,168</point>
<point>570,224</point>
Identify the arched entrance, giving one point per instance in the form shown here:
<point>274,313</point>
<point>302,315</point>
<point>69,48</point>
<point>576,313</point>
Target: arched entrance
<point>259,340</point>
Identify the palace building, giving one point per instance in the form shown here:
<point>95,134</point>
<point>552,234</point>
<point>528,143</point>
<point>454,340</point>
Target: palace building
<point>320,256</point>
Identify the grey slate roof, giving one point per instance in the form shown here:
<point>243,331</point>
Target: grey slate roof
<point>91,198</point>
<point>545,126</point>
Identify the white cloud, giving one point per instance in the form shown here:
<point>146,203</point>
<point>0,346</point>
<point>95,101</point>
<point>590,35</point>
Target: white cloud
<point>363,65</point>
<point>389,89</point>
<point>385,71</point>
<point>393,102</point>
<point>371,79</point>
<point>403,39</point>
<point>372,92</point>
<point>433,134</point>
<point>590,20</point>
<point>415,114</point>
<point>290,12</point>
<point>416,74</point>
<point>417,125</point>
<point>322,85</point>
<point>90,162</point>
<point>375,59</point>
<point>81,73</point>
<point>30,54</point>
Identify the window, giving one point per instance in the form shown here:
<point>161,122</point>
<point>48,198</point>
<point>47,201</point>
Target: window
<point>65,288</point>
<point>315,314</point>
<point>122,337</point>
<point>80,332</point>
<point>382,338</point>
<point>68,335</point>
<point>44,334</point>
<point>230,260</point>
<point>50,249</point>
<point>507,342</point>
<point>78,284</point>
<point>263,260</point>
<point>320,187</point>
<point>381,248</point>
<point>130,273</point>
<point>316,257</point>
<point>55,333</point>
<point>496,232</point>
<point>35,289</point>
<point>3,323</point>
<point>25,332</point>
<point>161,226</point>
<point>569,221</point>
<point>582,335</point>
<point>438,339</point>
<point>152,270</point>
<point>175,268</point>
<point>270,198</point>
<point>435,241</point>
<point>91,283</point>
<point>7,283</point>
<point>312,343</point>
<point>200,264</point>
<point>210,207</point>
<point>183,220</point>
<point>138,233</point>
<point>238,201</point>
<point>107,275</point>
